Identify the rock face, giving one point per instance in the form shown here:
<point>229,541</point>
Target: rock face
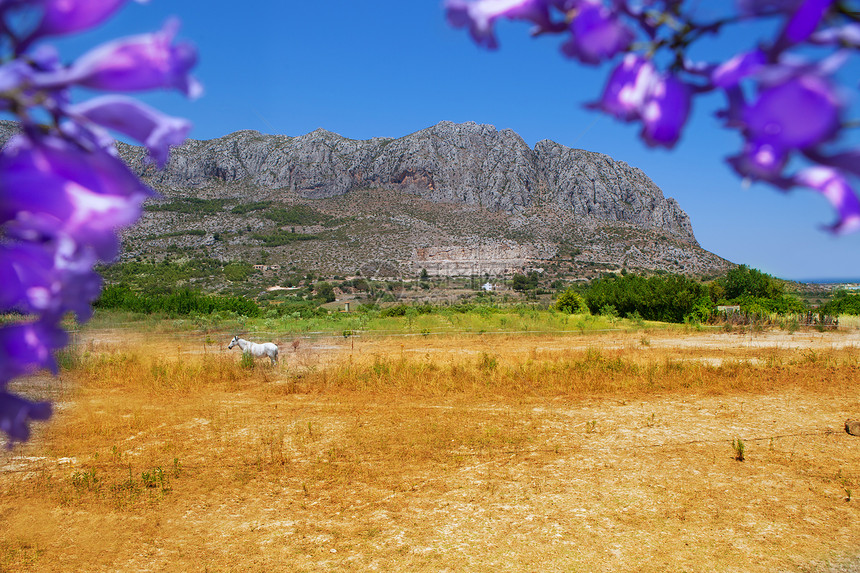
<point>465,163</point>
<point>452,199</point>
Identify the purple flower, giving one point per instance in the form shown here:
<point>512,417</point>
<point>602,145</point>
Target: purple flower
<point>45,58</point>
<point>28,347</point>
<point>845,161</point>
<point>26,275</point>
<point>627,88</point>
<point>82,194</point>
<point>799,112</point>
<point>64,191</point>
<point>743,65</point>
<point>68,16</point>
<point>13,75</point>
<point>636,91</point>
<point>144,62</point>
<point>665,111</point>
<point>479,16</point>
<point>761,161</point>
<point>16,413</point>
<point>157,131</point>
<point>597,34</point>
<point>49,279</point>
<point>847,35</point>
<point>835,189</point>
<point>804,21</point>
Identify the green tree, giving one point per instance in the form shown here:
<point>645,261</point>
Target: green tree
<point>743,280</point>
<point>571,302</point>
<point>237,272</point>
<point>523,283</point>
<point>667,298</point>
<point>324,291</point>
<point>520,282</point>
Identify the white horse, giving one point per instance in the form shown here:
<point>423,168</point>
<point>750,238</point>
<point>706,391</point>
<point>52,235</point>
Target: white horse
<point>269,349</point>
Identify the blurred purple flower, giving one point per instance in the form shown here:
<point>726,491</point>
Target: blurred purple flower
<point>761,162</point>
<point>83,194</point>
<point>800,112</point>
<point>636,91</point>
<point>157,131</point>
<point>480,15</point>
<point>739,67</point>
<point>49,279</point>
<point>26,271</point>
<point>597,34</point>
<point>627,88</point>
<point>804,21</point>
<point>13,75</point>
<point>64,192</point>
<point>69,16</point>
<point>795,112</point>
<point>838,192</point>
<point>665,111</point>
<point>16,413</point>
<point>45,58</point>
<point>845,161</point>
<point>847,35</point>
<point>148,61</point>
<point>27,347</point>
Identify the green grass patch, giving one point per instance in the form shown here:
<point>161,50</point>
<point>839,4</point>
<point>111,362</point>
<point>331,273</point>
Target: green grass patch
<point>245,208</point>
<point>297,215</point>
<point>281,237</point>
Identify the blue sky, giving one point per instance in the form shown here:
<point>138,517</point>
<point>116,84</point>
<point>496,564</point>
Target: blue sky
<point>393,67</point>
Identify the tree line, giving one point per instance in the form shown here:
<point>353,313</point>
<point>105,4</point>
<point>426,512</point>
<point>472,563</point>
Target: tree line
<point>677,298</point>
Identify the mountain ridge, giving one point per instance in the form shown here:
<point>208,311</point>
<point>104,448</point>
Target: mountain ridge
<point>449,198</point>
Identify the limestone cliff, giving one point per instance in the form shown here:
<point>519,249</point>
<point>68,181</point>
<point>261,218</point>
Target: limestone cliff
<point>450,198</point>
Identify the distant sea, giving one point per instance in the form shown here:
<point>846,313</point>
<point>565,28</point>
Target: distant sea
<point>830,281</point>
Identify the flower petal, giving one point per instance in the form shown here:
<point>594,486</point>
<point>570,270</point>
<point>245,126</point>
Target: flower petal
<point>835,189</point>
<point>737,68</point>
<point>797,113</point>
<point>83,194</point>
<point>627,88</point>
<point>479,16</point>
<point>157,131</point>
<point>144,62</point>
<point>805,20</point>
<point>28,347</point>
<point>69,16</point>
<point>665,111</point>
<point>597,34</point>
<point>16,413</point>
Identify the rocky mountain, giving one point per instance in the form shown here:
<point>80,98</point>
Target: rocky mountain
<point>452,199</point>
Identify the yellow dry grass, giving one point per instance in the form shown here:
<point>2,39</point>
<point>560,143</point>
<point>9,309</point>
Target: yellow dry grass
<point>461,453</point>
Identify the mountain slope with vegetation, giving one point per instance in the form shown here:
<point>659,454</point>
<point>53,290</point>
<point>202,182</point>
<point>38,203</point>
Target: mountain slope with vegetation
<point>454,199</point>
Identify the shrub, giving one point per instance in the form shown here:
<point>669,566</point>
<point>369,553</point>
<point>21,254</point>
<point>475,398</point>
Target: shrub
<point>571,302</point>
<point>182,301</point>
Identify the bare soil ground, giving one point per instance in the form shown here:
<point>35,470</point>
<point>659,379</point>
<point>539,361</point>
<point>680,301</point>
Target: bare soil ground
<point>273,475</point>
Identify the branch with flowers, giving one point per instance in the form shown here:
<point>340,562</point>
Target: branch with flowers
<point>782,93</point>
<point>64,192</point>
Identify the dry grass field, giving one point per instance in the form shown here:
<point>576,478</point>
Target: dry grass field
<point>603,452</point>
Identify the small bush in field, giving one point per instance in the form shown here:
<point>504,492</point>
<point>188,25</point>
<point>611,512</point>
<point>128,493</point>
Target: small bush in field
<point>247,361</point>
<point>739,447</point>
<point>571,302</point>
